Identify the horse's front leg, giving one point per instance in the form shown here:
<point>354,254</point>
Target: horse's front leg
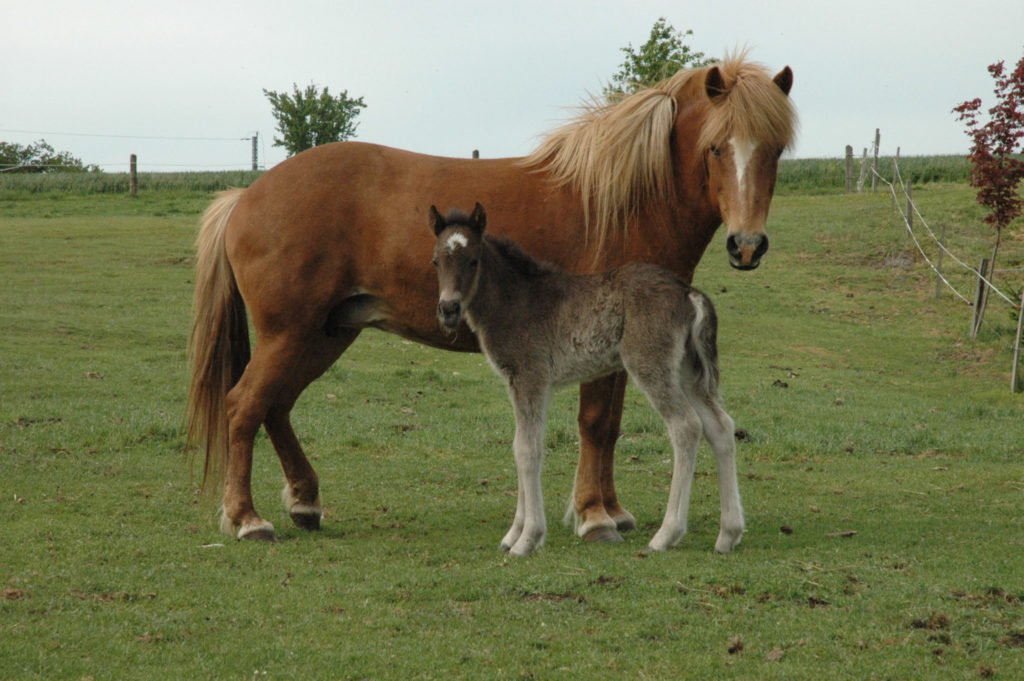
<point>595,503</point>
<point>530,525</point>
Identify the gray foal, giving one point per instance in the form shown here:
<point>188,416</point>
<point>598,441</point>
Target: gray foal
<point>541,327</point>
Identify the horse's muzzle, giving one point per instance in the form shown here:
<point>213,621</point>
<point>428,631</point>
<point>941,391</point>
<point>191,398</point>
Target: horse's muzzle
<point>745,250</point>
<point>449,313</point>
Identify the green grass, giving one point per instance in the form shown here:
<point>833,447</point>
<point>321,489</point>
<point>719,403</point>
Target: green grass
<point>868,410</point>
<point>828,175</point>
<point>26,185</point>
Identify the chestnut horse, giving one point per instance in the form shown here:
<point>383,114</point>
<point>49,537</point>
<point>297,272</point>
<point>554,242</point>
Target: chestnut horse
<point>331,241</point>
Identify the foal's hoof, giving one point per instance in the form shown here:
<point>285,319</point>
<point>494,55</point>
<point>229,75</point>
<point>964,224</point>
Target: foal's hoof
<point>604,535</point>
<point>306,521</point>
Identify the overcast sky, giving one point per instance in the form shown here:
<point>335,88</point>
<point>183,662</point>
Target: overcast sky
<point>449,76</point>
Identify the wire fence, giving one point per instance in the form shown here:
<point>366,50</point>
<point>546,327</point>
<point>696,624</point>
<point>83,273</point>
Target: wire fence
<point>900,192</point>
<point>903,195</point>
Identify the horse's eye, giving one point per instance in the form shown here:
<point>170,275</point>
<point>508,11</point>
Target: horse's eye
<point>715,151</point>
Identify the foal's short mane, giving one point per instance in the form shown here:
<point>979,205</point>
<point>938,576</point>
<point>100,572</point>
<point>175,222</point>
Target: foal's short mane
<point>521,261</point>
<point>618,154</point>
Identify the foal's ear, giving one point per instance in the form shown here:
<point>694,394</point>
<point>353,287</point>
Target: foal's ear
<point>784,79</point>
<point>714,84</point>
<point>478,219</point>
<point>436,221</point>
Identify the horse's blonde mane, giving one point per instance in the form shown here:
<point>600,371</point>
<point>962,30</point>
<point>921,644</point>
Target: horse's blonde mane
<point>617,154</point>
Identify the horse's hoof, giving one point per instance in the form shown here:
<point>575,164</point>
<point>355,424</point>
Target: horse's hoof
<point>626,522</point>
<point>604,535</point>
<point>261,532</point>
<point>306,521</point>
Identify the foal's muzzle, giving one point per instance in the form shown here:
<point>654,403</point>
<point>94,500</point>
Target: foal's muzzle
<point>745,250</point>
<point>449,313</point>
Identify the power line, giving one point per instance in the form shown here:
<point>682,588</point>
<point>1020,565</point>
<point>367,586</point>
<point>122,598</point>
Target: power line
<point>129,137</point>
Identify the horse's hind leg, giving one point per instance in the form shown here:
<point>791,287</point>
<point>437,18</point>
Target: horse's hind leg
<point>248,402</point>
<point>301,493</point>
<point>719,430</point>
<point>595,504</point>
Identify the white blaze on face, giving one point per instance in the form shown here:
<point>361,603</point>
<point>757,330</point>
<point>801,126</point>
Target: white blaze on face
<point>456,241</point>
<point>742,152</point>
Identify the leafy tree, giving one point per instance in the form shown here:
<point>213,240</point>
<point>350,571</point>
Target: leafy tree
<point>996,168</point>
<point>39,157</point>
<point>664,53</point>
<point>307,118</point>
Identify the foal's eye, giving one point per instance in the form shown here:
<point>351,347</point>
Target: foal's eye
<point>434,262</point>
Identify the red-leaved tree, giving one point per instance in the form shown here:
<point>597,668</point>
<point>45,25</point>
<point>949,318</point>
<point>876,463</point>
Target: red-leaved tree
<point>996,145</point>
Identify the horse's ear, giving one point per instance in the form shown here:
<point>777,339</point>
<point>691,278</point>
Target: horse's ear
<point>436,221</point>
<point>714,84</point>
<point>784,79</point>
<point>478,218</point>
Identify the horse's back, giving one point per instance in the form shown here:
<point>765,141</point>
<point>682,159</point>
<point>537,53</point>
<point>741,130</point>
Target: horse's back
<point>349,219</point>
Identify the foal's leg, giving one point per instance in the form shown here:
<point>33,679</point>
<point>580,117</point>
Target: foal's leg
<point>684,433</point>
<point>530,525</point>
<point>719,430</point>
<point>301,493</point>
<point>594,499</point>
<point>659,381</point>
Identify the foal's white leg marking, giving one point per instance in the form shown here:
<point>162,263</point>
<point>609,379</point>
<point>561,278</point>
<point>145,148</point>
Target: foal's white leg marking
<point>514,532</point>
<point>528,446</point>
<point>455,241</point>
<point>720,430</point>
<point>742,152</point>
<point>684,432</point>
<point>292,505</point>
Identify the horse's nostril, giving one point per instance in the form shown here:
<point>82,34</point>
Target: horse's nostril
<point>762,247</point>
<point>731,246</point>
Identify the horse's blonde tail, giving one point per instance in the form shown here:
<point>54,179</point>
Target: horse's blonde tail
<point>218,348</point>
<point>703,340</point>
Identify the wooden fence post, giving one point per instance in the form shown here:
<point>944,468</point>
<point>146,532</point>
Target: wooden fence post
<point>863,170</point>
<point>874,163</point>
<point>849,168</point>
<point>938,263</point>
<point>910,203</point>
<point>255,153</point>
<point>894,185</point>
<point>979,297</point>
<point>133,176</point>
<point>1015,382</point>
<point>476,153</point>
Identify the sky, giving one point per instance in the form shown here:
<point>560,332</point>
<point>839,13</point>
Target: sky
<point>450,76</point>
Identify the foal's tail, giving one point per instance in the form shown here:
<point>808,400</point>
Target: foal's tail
<point>218,348</point>
<point>702,344</point>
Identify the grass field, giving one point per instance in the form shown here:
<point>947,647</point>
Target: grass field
<point>883,479</point>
